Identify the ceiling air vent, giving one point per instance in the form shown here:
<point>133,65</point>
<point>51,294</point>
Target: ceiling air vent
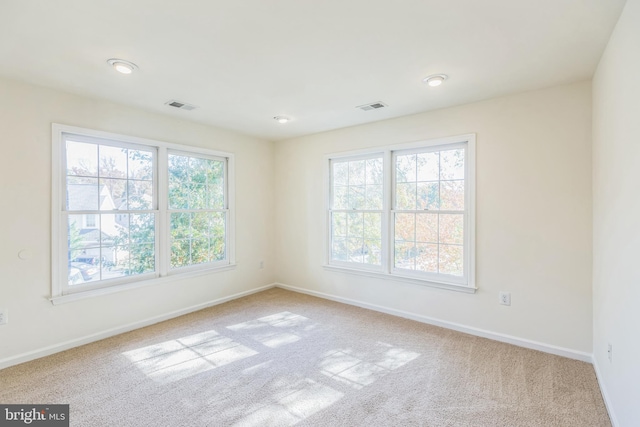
<point>181,105</point>
<point>372,106</point>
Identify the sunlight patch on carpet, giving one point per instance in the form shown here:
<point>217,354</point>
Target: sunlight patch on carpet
<point>268,330</point>
<point>292,405</point>
<point>185,357</point>
<point>359,370</point>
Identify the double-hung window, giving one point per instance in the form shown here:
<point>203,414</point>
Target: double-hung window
<point>128,210</point>
<point>356,211</point>
<point>406,211</point>
<point>197,209</point>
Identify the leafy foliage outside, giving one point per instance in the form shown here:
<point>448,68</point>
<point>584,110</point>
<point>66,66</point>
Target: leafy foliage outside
<point>429,234</point>
<point>429,211</point>
<point>119,183</point>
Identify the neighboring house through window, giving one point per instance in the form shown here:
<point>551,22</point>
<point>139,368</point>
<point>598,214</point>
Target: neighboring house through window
<point>109,190</point>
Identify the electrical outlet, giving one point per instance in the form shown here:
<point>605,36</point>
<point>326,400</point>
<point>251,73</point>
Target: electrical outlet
<point>505,298</point>
<point>610,352</point>
<point>4,316</point>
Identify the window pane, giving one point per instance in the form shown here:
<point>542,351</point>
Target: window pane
<point>340,197</point>
<point>428,166</point>
<point>406,196</point>
<point>452,164</point>
<point>428,195</point>
<point>427,257</point>
<point>198,170</point>
<point>405,255</point>
<point>339,249</point>
<point>357,172</point>
<point>178,168</point>
<point>373,197</point>
<point>116,262</point>
<point>339,224</point>
<point>74,274</point>
<point>140,195</point>
<point>113,161</point>
<point>452,195</point>
<point>198,196</point>
<point>75,243</point>
<point>217,224</point>
<point>357,197</point>
<point>180,226</point>
<point>355,224</point>
<point>199,251</point>
<point>406,168</point>
<point>452,229</point>
<point>180,253</point>
<point>216,249</point>
<point>451,260</point>
<point>79,237</point>
<point>374,171</point>
<point>140,164</point>
<point>113,194</point>
<point>83,194</point>
<point>373,250</point>
<point>114,229</point>
<point>142,228</point>
<point>199,225</point>
<point>373,226</point>
<point>142,259</point>
<point>82,159</point>
<point>405,227</point>
<point>215,184</point>
<point>355,248</point>
<point>427,228</point>
<point>340,173</point>
<point>179,196</point>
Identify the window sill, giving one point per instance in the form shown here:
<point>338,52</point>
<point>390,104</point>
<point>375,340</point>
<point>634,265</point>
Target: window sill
<point>63,299</point>
<point>397,278</point>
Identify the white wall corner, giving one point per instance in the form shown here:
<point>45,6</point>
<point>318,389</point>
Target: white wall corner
<point>603,390</point>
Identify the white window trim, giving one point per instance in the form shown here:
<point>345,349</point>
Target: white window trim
<point>162,274</point>
<point>388,272</point>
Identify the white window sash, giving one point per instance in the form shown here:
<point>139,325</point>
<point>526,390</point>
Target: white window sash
<point>389,153</point>
<point>60,289</point>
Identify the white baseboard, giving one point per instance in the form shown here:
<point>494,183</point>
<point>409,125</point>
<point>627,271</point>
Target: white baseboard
<point>605,395</point>
<point>496,336</point>
<point>46,351</point>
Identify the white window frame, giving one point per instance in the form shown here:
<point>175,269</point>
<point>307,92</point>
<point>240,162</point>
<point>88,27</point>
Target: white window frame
<point>384,249</point>
<point>216,264</point>
<point>60,291</point>
<point>387,270</point>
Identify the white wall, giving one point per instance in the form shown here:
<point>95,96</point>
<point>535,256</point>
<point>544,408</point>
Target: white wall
<point>533,215</point>
<point>26,114</point>
<point>616,218</point>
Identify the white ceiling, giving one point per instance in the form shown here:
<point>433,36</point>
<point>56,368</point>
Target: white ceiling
<point>244,61</point>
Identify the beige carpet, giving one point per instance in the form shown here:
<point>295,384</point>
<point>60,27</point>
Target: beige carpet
<point>278,358</point>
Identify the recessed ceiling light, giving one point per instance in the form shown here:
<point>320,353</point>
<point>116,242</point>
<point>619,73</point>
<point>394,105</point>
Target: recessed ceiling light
<point>435,79</point>
<point>281,119</point>
<point>122,66</point>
